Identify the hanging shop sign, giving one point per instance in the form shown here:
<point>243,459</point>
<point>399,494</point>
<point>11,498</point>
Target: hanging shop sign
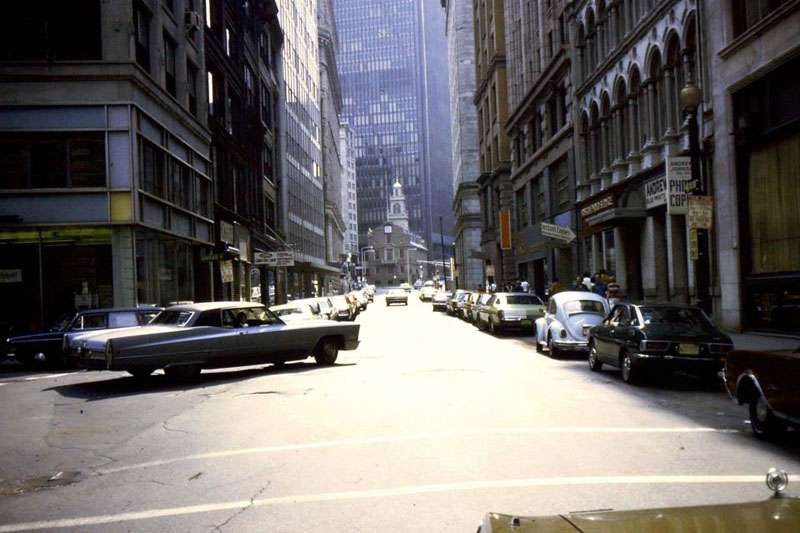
<point>226,271</point>
<point>12,275</point>
<point>603,204</point>
<point>701,212</point>
<point>679,173</point>
<point>655,192</point>
<point>505,229</point>
<point>560,233</point>
<point>274,259</point>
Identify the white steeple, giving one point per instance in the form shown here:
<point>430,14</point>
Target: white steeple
<point>397,206</point>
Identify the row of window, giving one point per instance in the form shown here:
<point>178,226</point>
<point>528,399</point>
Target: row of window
<point>168,178</point>
<point>52,160</point>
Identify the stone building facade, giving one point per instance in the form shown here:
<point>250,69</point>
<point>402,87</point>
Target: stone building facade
<point>494,154</point>
<point>106,191</point>
<point>464,134</point>
<point>754,48</point>
<point>540,128</point>
<point>630,61</point>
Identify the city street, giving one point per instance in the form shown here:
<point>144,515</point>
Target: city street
<point>428,425</point>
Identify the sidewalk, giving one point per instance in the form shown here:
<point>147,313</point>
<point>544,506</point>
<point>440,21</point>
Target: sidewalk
<point>762,341</point>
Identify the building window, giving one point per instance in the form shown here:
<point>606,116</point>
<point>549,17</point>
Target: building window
<point>522,208</point>
<point>45,161</point>
<point>152,166</point>
<point>228,39</point>
<point>141,30</point>
<point>191,87</point>
<point>266,106</point>
<point>249,84</point>
<point>539,199</point>
<point>265,49</point>
<point>169,65</point>
<point>51,31</point>
<point>747,13</point>
<point>560,180</point>
<point>389,254</point>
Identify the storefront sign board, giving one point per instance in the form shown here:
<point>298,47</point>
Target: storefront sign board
<point>602,204</point>
<point>274,259</point>
<point>226,271</point>
<point>679,172</point>
<point>701,212</point>
<point>655,192</point>
<point>505,229</point>
<point>561,233</point>
<point>12,275</point>
<point>693,249</point>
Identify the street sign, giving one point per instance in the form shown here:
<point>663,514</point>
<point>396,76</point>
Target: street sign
<point>701,212</point>
<point>560,233</point>
<point>274,259</point>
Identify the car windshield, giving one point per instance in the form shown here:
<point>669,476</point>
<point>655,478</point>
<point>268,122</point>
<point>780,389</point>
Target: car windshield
<point>63,322</point>
<point>172,318</point>
<point>291,311</point>
<point>679,318</point>
<point>524,299</point>
<point>584,306</point>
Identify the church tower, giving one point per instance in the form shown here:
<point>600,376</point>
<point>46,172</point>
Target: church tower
<point>397,206</point>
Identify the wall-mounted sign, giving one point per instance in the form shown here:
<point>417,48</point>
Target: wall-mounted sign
<point>603,204</point>
<point>13,275</point>
<point>655,192</point>
<point>226,232</point>
<point>701,212</point>
<point>694,251</point>
<point>505,229</point>
<point>679,172</point>
<point>274,259</point>
<point>226,271</point>
<point>560,233</point>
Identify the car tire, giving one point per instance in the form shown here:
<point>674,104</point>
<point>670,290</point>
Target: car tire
<point>555,351</point>
<point>630,373</point>
<point>763,422</point>
<point>594,363</point>
<point>496,330</point>
<point>182,372</point>
<point>326,352</point>
<point>140,373</point>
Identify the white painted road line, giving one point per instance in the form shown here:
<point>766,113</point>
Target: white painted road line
<point>35,378</point>
<point>417,436</point>
<point>379,493</point>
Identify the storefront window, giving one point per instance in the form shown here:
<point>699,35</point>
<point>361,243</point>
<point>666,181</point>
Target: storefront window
<point>164,270</point>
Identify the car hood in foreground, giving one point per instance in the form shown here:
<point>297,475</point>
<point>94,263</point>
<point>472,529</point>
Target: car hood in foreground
<point>775,514</point>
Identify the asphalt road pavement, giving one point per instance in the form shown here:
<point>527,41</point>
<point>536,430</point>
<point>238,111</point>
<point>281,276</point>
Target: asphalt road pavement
<point>427,426</point>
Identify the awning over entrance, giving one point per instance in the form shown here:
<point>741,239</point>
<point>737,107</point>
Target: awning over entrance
<point>616,216</point>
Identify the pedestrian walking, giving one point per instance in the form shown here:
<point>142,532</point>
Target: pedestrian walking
<point>578,285</point>
<point>525,286</point>
<point>587,281</point>
<point>599,286</point>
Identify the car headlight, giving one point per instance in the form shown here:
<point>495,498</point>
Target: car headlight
<point>563,333</point>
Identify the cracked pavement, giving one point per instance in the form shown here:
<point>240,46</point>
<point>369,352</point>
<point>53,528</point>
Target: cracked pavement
<point>425,426</point>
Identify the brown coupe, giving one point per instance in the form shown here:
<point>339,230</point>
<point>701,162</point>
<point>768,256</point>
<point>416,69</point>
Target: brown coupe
<point>769,382</point>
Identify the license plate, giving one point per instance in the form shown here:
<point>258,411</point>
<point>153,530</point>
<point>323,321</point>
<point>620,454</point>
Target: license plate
<point>527,322</point>
<point>688,349</point>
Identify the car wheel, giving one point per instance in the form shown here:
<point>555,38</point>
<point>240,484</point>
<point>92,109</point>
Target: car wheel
<point>182,372</point>
<point>495,329</point>
<point>594,362</point>
<point>140,373</point>
<point>762,420</point>
<point>629,372</point>
<point>326,352</point>
<point>555,351</point>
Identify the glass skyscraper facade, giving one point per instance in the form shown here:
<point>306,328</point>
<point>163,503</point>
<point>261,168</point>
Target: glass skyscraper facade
<point>382,72</point>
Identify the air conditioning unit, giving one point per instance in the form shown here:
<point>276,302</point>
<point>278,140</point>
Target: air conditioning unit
<point>191,21</point>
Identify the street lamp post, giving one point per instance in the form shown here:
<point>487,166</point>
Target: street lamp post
<point>690,99</point>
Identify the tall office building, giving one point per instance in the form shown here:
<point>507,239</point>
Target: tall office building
<point>303,212</point>
<point>384,75</point>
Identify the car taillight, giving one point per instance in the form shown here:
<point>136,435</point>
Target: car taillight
<point>719,349</point>
<point>654,346</point>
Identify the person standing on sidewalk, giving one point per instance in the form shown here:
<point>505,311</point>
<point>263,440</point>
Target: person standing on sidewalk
<point>599,286</point>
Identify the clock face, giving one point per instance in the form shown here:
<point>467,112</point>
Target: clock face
<point>387,229</point>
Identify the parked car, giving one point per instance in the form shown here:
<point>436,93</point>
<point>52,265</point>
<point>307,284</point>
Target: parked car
<point>562,326</point>
<point>469,301</point>
<point>418,284</point>
<point>769,382</point>
<point>354,305</point>
<point>638,336</point>
<point>440,300</point>
<point>369,291</point>
<point>326,309</point>
<point>48,347</point>
<point>342,308</point>
<point>510,310</point>
<point>406,287</point>
<point>454,303</point>
<point>361,299</point>
<point>184,339</point>
<point>428,291</point>
<point>298,310</point>
<point>396,296</point>
<point>483,297</point>
<point>780,512</point>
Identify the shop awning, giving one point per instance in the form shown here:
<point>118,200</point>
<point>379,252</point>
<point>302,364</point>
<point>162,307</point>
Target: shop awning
<point>617,215</point>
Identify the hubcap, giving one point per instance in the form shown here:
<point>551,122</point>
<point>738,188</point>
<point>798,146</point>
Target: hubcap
<point>592,356</point>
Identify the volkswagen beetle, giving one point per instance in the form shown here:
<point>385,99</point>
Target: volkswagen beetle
<point>562,326</point>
